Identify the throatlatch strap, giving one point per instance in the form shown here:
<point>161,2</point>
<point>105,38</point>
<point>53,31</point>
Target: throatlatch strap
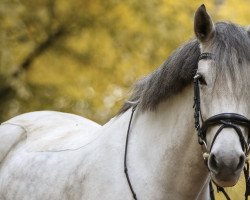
<point>221,189</point>
<point>246,173</point>
<point>211,190</point>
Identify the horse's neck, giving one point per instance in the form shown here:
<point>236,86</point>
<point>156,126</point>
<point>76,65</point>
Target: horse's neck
<point>164,157</point>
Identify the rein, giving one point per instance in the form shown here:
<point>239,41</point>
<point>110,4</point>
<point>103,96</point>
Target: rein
<point>125,154</point>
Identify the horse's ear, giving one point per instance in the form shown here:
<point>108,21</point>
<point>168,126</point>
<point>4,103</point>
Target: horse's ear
<point>203,25</point>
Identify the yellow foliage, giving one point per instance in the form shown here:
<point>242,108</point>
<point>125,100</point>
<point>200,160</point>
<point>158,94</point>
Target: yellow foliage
<point>103,47</point>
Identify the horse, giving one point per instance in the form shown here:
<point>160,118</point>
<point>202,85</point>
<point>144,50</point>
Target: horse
<point>48,155</point>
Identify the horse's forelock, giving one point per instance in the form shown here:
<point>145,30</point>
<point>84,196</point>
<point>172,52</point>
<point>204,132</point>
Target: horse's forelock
<point>231,47</point>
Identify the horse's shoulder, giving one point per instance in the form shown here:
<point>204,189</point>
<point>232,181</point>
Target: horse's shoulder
<point>55,131</point>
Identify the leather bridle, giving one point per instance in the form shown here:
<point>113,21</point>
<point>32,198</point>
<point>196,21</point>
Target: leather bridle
<point>224,120</point>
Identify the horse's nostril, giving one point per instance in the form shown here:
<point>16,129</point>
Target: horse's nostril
<point>213,164</point>
<point>241,162</point>
<point>221,165</point>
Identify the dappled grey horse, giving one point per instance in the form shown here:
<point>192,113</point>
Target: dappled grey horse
<point>57,156</point>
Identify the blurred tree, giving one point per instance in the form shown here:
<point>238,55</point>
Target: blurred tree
<point>52,52</point>
<point>81,56</point>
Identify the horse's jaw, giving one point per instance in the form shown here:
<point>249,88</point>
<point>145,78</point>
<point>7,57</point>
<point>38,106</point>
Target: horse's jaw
<point>225,182</point>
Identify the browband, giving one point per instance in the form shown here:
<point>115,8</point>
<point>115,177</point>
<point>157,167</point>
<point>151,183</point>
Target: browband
<point>206,56</point>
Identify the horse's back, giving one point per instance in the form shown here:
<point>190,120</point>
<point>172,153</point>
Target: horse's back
<point>46,131</point>
<point>10,136</point>
<point>41,153</point>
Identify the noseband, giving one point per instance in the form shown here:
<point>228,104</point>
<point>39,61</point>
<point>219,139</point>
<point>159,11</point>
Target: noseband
<point>224,120</point>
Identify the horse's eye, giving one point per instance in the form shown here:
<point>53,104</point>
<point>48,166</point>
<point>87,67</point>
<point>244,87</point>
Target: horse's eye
<point>202,80</point>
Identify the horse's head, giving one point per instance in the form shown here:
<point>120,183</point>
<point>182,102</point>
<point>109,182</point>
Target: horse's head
<point>224,88</point>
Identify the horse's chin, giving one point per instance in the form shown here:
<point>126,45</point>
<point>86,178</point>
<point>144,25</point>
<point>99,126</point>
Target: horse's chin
<point>228,181</point>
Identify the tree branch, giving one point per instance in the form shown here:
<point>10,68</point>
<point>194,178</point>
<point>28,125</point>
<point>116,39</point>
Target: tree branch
<point>41,48</point>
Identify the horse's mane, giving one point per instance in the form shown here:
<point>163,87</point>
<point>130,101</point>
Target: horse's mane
<point>170,78</point>
<point>231,47</point>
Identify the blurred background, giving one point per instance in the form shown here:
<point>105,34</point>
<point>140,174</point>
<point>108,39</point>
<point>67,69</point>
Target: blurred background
<point>82,56</point>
